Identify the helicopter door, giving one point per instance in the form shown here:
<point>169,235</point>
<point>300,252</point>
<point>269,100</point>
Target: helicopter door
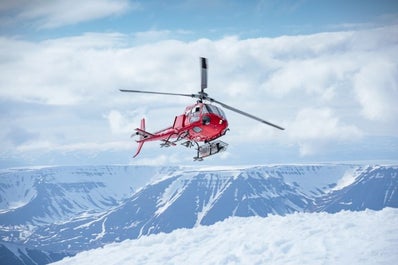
<point>194,114</point>
<point>179,121</point>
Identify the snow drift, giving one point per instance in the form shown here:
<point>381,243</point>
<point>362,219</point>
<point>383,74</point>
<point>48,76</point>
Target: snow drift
<point>367,237</point>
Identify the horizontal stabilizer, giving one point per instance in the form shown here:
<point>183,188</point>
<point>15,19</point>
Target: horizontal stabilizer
<point>143,134</point>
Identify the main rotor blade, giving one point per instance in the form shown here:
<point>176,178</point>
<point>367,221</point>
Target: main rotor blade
<point>158,93</point>
<point>203,73</point>
<point>245,114</point>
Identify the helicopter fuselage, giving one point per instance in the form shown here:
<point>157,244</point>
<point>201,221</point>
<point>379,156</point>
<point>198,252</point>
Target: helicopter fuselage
<point>200,123</point>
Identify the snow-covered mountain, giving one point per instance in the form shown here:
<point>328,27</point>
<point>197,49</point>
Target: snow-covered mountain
<point>64,210</point>
<point>58,194</point>
<point>366,237</point>
<point>374,188</point>
<point>41,198</point>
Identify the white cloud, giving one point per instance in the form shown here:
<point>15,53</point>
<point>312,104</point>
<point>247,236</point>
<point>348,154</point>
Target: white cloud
<point>316,129</point>
<point>56,72</point>
<point>376,86</point>
<point>324,88</point>
<point>48,146</point>
<point>318,76</point>
<point>57,13</point>
<point>154,35</point>
<point>157,160</point>
<point>123,124</point>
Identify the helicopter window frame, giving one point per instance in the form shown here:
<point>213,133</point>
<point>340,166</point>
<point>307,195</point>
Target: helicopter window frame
<point>215,110</point>
<point>195,110</point>
<point>194,114</point>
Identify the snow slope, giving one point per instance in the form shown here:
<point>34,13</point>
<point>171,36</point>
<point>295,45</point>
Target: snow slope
<point>367,237</point>
<point>61,211</point>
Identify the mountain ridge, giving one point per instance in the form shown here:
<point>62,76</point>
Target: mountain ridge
<point>161,199</point>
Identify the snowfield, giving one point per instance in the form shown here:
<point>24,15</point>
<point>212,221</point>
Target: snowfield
<point>367,237</point>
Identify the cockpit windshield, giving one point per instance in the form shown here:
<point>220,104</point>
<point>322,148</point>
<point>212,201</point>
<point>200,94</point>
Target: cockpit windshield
<point>214,109</point>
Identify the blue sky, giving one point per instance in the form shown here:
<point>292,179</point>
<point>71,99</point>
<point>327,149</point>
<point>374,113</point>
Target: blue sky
<point>325,70</point>
<point>214,19</point>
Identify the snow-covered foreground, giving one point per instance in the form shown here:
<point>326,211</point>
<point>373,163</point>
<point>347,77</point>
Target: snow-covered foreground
<point>368,237</point>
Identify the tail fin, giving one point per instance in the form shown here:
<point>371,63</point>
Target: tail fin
<point>142,137</point>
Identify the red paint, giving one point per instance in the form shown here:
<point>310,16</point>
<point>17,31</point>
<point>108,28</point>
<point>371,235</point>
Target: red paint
<point>200,123</point>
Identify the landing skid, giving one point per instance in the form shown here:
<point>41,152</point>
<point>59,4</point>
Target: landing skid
<point>189,144</point>
<point>168,143</point>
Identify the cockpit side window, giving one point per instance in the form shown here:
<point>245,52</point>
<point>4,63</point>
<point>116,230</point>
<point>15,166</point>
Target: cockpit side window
<point>210,109</point>
<point>194,114</point>
<point>215,110</point>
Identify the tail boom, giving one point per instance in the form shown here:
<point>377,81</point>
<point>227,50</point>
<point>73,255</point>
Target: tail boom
<point>163,135</point>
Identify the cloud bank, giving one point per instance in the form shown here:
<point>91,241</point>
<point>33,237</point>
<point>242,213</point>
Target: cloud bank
<point>327,88</point>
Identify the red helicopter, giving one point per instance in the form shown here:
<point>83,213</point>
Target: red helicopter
<point>201,122</point>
